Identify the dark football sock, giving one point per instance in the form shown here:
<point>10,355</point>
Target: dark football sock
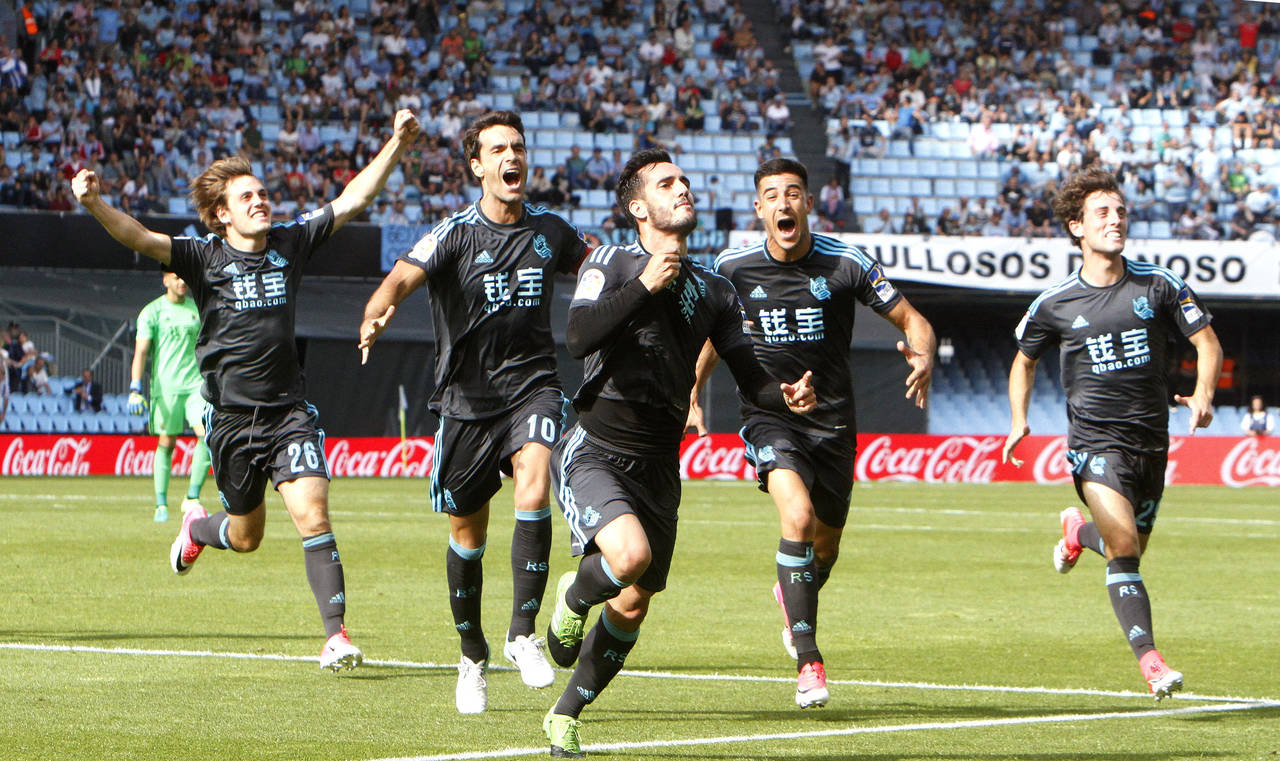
<point>1130,602</point>
<point>465,573</point>
<point>594,584</point>
<point>603,653</point>
<point>1090,539</point>
<point>324,573</point>
<point>824,573</point>
<point>211,531</point>
<point>530,550</point>
<point>798,578</point>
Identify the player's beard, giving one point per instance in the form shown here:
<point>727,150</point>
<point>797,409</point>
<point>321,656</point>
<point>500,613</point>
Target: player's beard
<point>667,221</point>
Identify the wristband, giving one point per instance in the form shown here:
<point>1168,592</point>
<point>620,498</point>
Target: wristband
<point>135,387</point>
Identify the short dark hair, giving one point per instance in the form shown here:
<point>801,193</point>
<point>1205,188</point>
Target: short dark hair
<point>629,182</point>
<point>1068,204</point>
<point>471,138</point>
<point>782,166</point>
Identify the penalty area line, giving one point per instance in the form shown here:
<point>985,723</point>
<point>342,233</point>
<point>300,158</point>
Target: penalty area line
<point>890,729</point>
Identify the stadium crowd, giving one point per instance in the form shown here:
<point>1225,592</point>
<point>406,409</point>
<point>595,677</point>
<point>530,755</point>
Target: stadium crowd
<point>911,65</point>
<point>303,91</point>
<point>149,92</point>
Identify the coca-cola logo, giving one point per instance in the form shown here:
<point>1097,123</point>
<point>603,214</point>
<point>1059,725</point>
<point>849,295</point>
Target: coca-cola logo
<point>1248,464</point>
<point>704,458</point>
<point>1051,465</point>
<point>65,456</point>
<point>411,459</point>
<point>955,459</point>
<point>132,460</point>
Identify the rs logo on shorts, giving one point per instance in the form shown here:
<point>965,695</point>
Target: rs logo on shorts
<point>589,516</point>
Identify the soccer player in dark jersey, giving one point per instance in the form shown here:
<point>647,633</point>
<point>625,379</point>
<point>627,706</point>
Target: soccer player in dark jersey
<point>1114,320</point>
<point>490,270</point>
<point>800,291</point>
<point>244,278</point>
<point>640,314</point>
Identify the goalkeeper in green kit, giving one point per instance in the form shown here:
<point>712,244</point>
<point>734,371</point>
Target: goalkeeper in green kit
<point>167,331</point>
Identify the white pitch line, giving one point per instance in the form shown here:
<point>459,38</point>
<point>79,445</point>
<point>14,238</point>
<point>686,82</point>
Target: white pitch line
<point>632,673</point>
<point>895,728</point>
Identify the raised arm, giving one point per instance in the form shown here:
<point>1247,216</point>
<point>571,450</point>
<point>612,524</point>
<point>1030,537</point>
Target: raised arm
<point>1022,376</point>
<point>1208,367</point>
<point>918,349</point>
<point>128,231</point>
<point>366,186</point>
<point>402,280</point>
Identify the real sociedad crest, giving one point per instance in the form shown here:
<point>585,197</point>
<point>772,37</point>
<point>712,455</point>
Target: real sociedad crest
<point>540,246</point>
<point>818,287</point>
<point>1142,308</point>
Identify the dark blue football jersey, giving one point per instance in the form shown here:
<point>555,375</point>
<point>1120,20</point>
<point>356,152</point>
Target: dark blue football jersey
<point>248,310</point>
<point>490,287</point>
<point>647,367</point>
<point>801,316</point>
<point>1114,343</point>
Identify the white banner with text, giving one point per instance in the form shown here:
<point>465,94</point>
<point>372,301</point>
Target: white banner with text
<point>1234,269</point>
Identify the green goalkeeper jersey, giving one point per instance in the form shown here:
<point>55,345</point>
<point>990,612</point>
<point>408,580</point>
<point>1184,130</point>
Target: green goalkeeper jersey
<point>172,329</point>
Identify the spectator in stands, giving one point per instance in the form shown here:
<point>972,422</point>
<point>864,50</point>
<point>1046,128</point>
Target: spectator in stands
<point>947,223</point>
<point>777,115</point>
<point>1257,421</point>
<point>914,221</point>
<point>831,200</point>
<point>1039,219</point>
<point>36,379</point>
<point>983,142</point>
<point>871,142</point>
<point>540,190</point>
<point>884,224</point>
<point>86,395</point>
<point>598,171</point>
<point>576,166</point>
<point>19,352</point>
<point>1243,222</point>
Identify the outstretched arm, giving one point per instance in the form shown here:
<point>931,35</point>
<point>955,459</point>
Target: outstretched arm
<point>366,186</point>
<point>128,231</point>
<point>1208,367</point>
<point>918,349</point>
<point>1022,376</point>
<point>402,280</point>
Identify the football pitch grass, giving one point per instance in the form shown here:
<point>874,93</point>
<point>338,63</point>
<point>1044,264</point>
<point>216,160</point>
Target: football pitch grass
<point>946,632</point>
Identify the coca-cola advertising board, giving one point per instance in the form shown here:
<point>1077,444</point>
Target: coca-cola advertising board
<point>1213,460</point>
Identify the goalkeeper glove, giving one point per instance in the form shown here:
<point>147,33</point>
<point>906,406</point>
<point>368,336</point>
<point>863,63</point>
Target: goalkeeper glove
<point>137,404</point>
